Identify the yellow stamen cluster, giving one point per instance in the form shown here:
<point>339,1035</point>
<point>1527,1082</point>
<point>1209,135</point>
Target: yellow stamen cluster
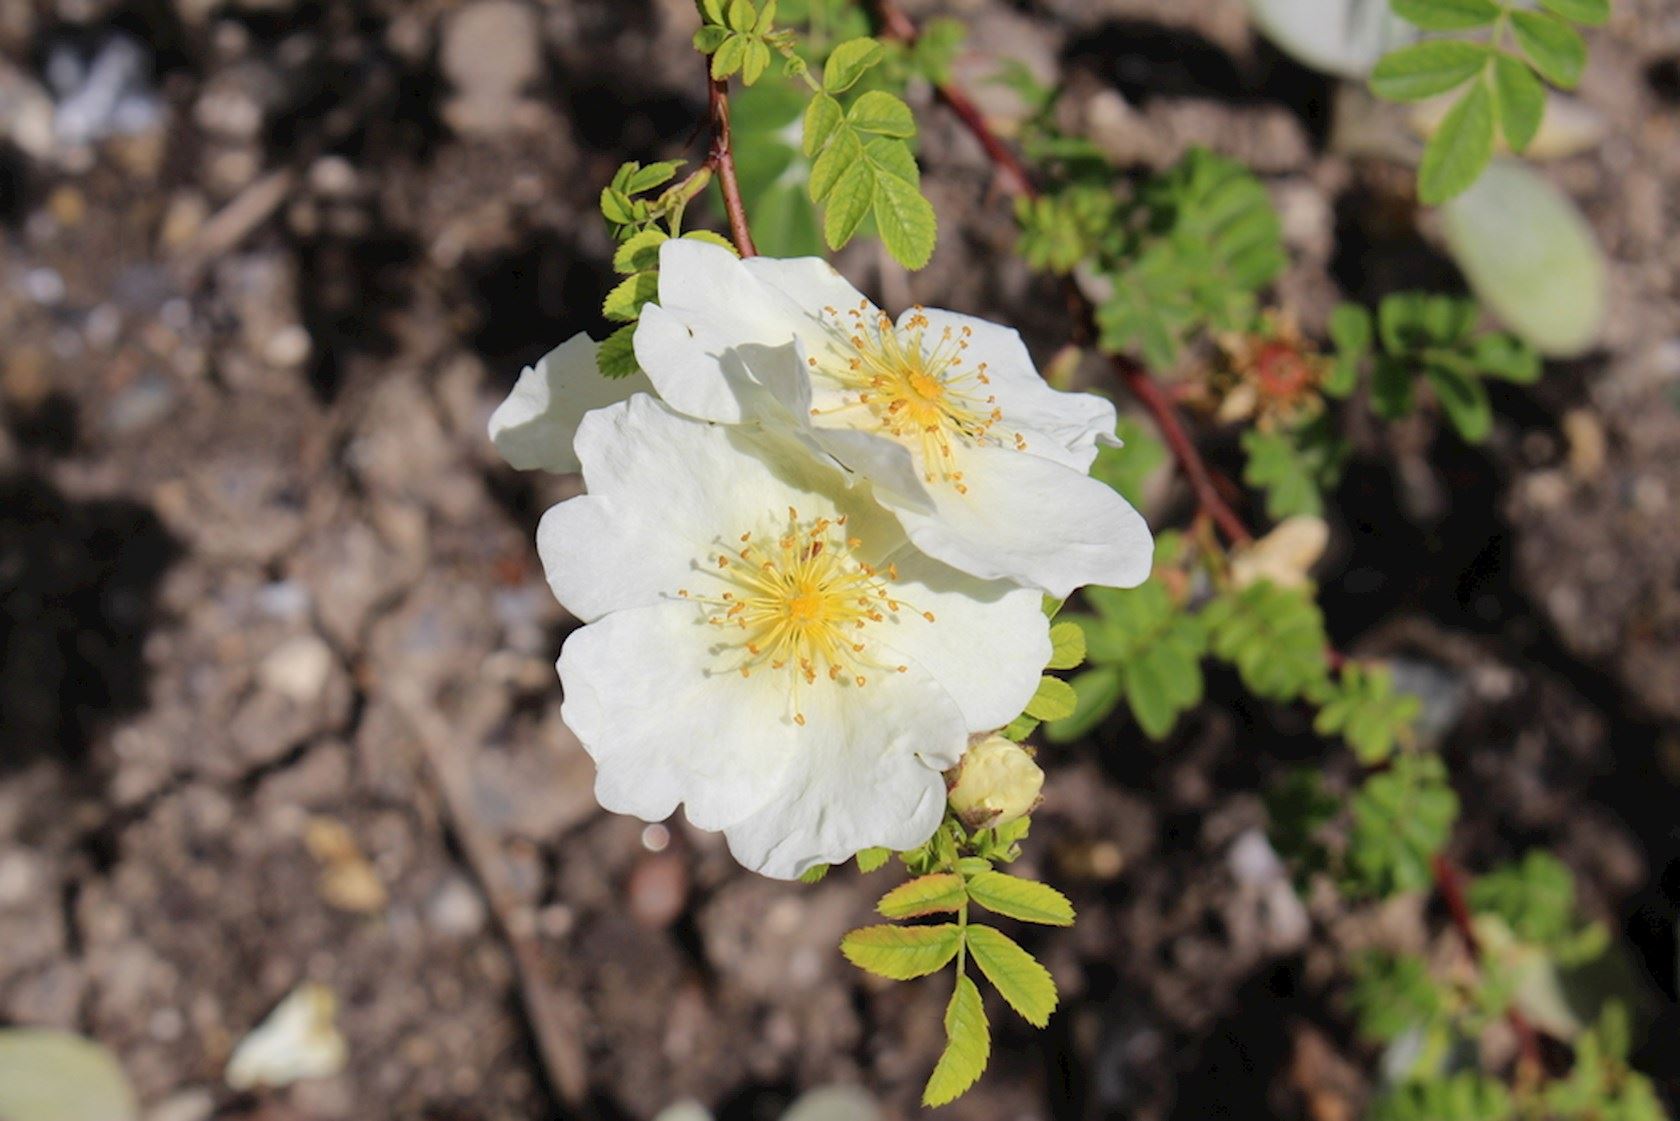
<point>800,601</point>
<point>921,395</point>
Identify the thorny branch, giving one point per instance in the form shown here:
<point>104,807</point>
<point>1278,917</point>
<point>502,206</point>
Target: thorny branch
<point>1016,180</point>
<point>721,160</point>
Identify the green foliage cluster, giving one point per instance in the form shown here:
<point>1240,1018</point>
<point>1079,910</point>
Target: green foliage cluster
<point>1295,465</point>
<point>1497,69</point>
<point>640,222</point>
<point>955,870</point>
<point>1435,339</point>
<point>1144,650</point>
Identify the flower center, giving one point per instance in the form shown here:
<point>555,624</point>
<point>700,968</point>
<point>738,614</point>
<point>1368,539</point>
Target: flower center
<point>800,601</point>
<point>894,381</point>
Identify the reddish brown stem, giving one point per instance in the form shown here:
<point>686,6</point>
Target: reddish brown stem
<point>1449,881</point>
<point>722,162</point>
<point>1016,180</point>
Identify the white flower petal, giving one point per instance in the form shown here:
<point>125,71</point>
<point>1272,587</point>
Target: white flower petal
<point>692,365</point>
<point>1076,422</point>
<point>887,464</point>
<point>534,427</point>
<point>667,722</point>
<point>808,284</point>
<point>1032,520</point>
<point>859,782</point>
<point>988,645</point>
<point>661,490</point>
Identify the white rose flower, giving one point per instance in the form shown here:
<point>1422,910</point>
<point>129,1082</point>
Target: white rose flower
<point>764,646</point>
<point>534,427</point>
<point>983,464</point>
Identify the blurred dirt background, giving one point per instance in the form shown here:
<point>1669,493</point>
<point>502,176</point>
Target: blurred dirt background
<point>276,691</point>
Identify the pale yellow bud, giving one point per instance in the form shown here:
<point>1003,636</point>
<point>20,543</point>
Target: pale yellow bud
<point>996,783</point>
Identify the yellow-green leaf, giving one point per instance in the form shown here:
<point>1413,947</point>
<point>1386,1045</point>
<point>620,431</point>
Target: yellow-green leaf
<point>848,203</point>
<point>902,952</point>
<point>814,874</point>
<point>968,1046</point>
<point>729,56</point>
<point>641,252</point>
<point>1522,101</point>
<point>879,112</point>
<point>624,302</point>
<point>1067,645</point>
<point>1016,974</point>
<point>1027,900</point>
<point>905,220</point>
<point>870,860</point>
<point>848,61</point>
<point>842,153</point>
<point>1556,49</point>
<point>1428,68</point>
<point>1054,700</point>
<point>755,62</point>
<point>925,895</point>
<point>821,115</point>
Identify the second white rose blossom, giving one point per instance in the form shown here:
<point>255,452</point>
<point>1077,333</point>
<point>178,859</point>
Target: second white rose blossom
<point>764,646</point>
<point>984,465</point>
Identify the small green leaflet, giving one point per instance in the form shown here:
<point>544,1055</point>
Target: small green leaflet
<point>848,61</point>
<point>902,952</point>
<point>870,860</point>
<point>1054,700</point>
<point>1016,974</point>
<point>641,252</point>
<point>1365,710</point>
<point>1446,15</point>
<point>968,1046</point>
<point>616,357</point>
<point>1426,69</point>
<point>1067,645</point>
<point>625,302</point>
<point>1522,101</point>
<point>1099,691</point>
<point>1027,900</point>
<point>1592,13</point>
<point>1556,49</point>
<point>925,895</point>
<point>1459,151</point>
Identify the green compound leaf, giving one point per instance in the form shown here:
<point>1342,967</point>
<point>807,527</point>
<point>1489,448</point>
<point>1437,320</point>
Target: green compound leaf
<point>925,895</point>
<point>1365,709</point>
<point>1592,13</point>
<point>848,62</point>
<point>968,1046</point>
<point>1273,636</point>
<point>822,115</point>
<point>616,357</point>
<point>1536,898</point>
<point>905,220</point>
<point>1401,819</point>
<point>873,859</point>
<point>625,301</point>
<point>1446,15</point>
<point>1053,700</point>
<point>902,952</point>
<point>1067,645</point>
<point>1151,651</point>
<point>1459,151</point>
<point>1027,900</point>
<point>1016,974</point>
<point>1522,101</point>
<point>879,112</point>
<point>1426,69</point>
<point>1277,466</point>
<point>641,252</point>
<point>1393,994</point>
<point>1556,49</point>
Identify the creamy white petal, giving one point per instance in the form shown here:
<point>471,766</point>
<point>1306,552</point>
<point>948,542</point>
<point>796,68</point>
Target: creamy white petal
<point>663,490</point>
<point>1032,520</point>
<point>988,644</point>
<point>885,463</point>
<point>808,284</point>
<point>666,721</point>
<point>872,776</point>
<point>692,364</point>
<point>534,427</point>
<point>1076,422</point>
